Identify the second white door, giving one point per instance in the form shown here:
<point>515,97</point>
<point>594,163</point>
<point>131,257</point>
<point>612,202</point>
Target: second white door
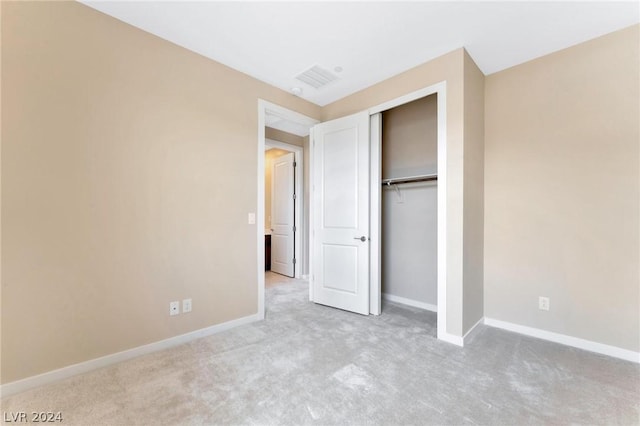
<point>340,209</point>
<point>282,215</point>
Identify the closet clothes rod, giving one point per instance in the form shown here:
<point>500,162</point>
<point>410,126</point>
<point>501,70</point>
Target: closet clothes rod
<point>411,179</point>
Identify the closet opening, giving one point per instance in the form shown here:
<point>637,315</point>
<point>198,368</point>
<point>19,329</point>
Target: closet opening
<point>409,205</point>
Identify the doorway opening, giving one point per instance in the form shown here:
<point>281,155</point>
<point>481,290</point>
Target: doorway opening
<point>283,207</point>
<point>282,129</point>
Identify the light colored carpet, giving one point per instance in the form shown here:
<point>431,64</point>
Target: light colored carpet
<point>309,364</point>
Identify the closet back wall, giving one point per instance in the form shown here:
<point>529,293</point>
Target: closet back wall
<point>409,214</point>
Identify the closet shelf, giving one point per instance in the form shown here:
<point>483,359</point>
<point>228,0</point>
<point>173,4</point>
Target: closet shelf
<point>409,179</point>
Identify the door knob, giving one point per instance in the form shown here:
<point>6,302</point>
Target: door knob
<point>363,238</point>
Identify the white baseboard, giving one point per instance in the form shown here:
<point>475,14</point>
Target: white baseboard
<point>457,340</point>
<point>409,302</point>
<point>472,329</point>
<point>563,339</point>
<point>446,337</point>
<point>86,366</point>
<point>450,338</point>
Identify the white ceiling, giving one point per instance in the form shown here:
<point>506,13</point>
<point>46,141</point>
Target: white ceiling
<point>371,41</point>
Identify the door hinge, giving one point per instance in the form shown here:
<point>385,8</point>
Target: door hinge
<point>295,164</point>
<point>294,228</point>
<point>294,196</point>
<point>294,260</point>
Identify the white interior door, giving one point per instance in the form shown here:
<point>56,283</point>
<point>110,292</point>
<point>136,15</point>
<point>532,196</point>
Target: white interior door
<point>282,215</point>
<point>340,207</point>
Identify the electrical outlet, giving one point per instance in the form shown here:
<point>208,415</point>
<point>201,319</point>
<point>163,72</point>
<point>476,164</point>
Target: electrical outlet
<point>186,305</point>
<point>174,308</point>
<point>543,303</point>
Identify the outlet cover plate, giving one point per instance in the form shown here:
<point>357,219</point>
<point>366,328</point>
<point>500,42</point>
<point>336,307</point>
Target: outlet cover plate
<point>174,308</point>
<point>543,303</point>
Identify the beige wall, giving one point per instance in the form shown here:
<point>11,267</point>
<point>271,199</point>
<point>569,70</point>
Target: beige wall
<point>1,208</point>
<point>286,137</point>
<point>1,115</point>
<point>409,213</point>
<point>562,186</point>
<point>410,139</point>
<point>129,165</point>
<point>473,297</point>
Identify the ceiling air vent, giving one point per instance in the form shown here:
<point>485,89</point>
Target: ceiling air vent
<point>317,77</point>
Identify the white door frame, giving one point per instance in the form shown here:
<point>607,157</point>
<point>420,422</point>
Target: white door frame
<point>298,202</point>
<point>263,108</point>
<point>376,163</point>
